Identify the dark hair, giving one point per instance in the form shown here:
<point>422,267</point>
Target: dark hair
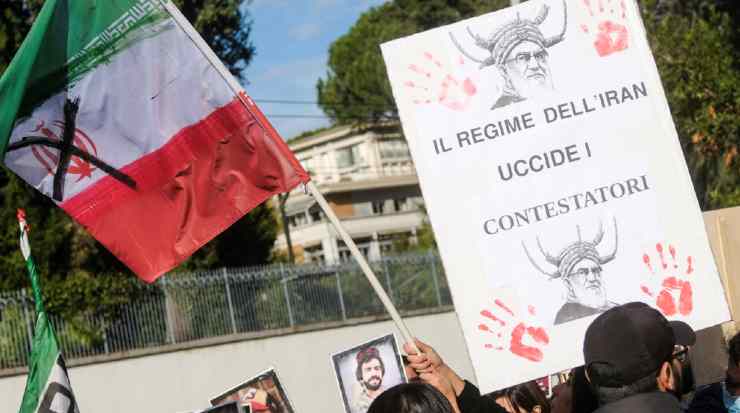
<point>606,395</point>
<point>411,398</point>
<point>524,396</point>
<point>364,356</point>
<point>583,399</point>
<point>733,347</point>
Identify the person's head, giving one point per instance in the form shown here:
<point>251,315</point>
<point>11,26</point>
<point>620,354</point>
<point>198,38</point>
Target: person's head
<point>370,368</point>
<point>580,266</point>
<point>523,398</point>
<point>411,398</point>
<point>526,67</point>
<point>583,399</point>
<point>632,349</point>
<point>732,378</point>
<point>519,50</point>
<point>584,283</point>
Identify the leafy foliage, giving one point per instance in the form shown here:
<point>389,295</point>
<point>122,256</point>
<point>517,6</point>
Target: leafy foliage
<point>356,88</point>
<point>695,44</point>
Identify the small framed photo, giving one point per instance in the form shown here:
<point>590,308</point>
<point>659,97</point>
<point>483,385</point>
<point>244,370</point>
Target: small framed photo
<point>228,407</point>
<point>262,393</point>
<point>366,370</point>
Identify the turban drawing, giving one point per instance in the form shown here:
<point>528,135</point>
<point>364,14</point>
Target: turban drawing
<point>574,253</point>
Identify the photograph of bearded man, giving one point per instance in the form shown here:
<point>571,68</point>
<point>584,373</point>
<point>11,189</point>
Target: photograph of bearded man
<point>365,371</point>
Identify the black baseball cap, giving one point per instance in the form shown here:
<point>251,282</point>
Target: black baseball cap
<point>633,340</point>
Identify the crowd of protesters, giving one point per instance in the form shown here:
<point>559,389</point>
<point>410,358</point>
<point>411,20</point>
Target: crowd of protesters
<point>635,361</point>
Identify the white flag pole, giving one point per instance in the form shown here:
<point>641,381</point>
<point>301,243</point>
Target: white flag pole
<point>201,44</point>
<point>363,264</point>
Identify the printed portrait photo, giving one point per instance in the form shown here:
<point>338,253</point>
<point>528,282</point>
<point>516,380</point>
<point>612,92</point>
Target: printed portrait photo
<point>365,371</point>
<point>228,407</point>
<point>260,394</point>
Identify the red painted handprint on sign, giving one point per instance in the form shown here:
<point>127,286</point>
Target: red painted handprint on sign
<point>434,83</point>
<point>605,24</point>
<point>673,293</point>
<point>506,329</point>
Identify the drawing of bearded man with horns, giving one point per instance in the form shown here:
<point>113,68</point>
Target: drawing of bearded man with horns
<point>580,267</point>
<point>518,50</point>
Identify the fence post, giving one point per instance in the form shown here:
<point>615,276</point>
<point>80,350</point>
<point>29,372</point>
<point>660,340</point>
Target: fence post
<point>27,319</point>
<point>341,296</point>
<point>388,280</point>
<point>287,296</point>
<point>228,299</point>
<point>433,259</point>
<point>106,346</point>
<point>168,321</point>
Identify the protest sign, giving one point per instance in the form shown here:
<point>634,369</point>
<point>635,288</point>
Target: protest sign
<point>366,370</point>
<point>553,178</point>
<point>261,393</point>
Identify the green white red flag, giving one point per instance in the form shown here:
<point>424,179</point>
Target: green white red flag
<point>47,387</point>
<point>113,112</point>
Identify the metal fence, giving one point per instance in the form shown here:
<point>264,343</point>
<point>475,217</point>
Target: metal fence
<point>186,307</point>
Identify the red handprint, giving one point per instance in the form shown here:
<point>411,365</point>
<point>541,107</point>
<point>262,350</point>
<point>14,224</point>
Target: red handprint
<point>506,327</point>
<point>433,82</point>
<point>605,24</point>
<point>674,284</point>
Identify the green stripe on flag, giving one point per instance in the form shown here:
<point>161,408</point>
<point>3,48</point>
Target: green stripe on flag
<point>43,358</point>
<point>41,385</point>
<point>68,39</point>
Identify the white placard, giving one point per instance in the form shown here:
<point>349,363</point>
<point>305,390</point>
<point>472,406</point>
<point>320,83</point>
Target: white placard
<point>553,178</point>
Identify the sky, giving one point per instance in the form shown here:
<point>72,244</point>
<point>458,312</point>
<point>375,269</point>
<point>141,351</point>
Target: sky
<point>292,39</point>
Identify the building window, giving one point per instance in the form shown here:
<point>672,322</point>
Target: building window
<point>378,207</point>
<point>393,149</point>
<point>363,244</point>
<point>314,254</point>
<point>349,156</point>
<point>298,220</point>
<point>363,209</point>
<point>401,204</point>
<point>316,215</point>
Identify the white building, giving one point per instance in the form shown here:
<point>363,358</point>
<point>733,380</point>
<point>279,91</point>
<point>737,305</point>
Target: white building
<point>368,178</point>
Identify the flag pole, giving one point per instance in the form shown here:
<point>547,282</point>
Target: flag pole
<point>350,243</point>
<point>235,87</point>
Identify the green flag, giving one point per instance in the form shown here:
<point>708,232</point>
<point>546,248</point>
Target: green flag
<point>47,389</point>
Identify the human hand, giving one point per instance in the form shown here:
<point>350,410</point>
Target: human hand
<point>670,286</point>
<point>512,333</point>
<point>606,25</point>
<point>427,361</point>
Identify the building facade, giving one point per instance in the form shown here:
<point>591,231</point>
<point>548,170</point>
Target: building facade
<point>369,180</point>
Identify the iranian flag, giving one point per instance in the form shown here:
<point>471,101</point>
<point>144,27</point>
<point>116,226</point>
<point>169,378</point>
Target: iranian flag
<point>110,109</point>
<point>47,386</point>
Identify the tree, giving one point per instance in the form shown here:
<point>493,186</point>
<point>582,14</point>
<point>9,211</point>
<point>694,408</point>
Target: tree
<point>695,44</point>
<point>80,275</point>
<point>356,89</point>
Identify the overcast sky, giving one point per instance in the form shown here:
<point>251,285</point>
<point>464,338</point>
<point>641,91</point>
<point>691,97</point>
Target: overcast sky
<point>292,38</point>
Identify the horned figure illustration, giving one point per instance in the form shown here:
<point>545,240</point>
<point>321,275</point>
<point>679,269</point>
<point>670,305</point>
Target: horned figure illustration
<point>518,50</point>
<point>579,265</point>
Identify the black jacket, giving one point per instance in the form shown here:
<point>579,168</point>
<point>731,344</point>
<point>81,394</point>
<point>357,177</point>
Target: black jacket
<point>708,399</point>
<point>653,402</point>
<point>471,401</point>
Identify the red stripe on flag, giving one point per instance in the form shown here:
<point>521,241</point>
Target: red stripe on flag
<point>198,184</point>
